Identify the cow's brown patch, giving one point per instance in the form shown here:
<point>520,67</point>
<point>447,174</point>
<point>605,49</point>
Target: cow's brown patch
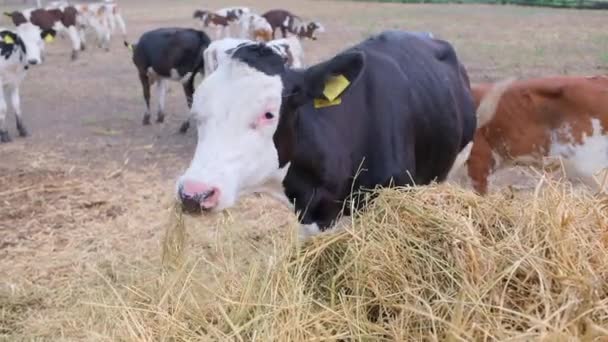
<point>533,114</point>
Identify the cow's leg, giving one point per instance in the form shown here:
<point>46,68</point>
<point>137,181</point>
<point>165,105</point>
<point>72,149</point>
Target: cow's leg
<point>16,104</point>
<point>4,136</point>
<point>283,32</point>
<point>103,35</point>
<point>188,91</point>
<point>75,38</point>
<point>83,38</point>
<point>145,84</point>
<point>274,29</point>
<point>480,164</point>
<point>161,92</point>
<point>121,24</point>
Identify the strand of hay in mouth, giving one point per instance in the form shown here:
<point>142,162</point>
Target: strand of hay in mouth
<point>429,263</point>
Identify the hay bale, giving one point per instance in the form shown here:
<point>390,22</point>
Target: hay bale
<point>433,263</point>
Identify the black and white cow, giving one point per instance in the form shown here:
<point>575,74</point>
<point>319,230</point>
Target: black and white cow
<point>19,49</point>
<point>396,109</point>
<point>62,19</point>
<point>169,54</point>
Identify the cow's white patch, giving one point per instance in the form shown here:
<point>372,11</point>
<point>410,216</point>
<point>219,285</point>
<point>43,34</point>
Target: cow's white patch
<point>161,92</point>
<point>175,76</point>
<point>581,160</point>
<point>307,231</point>
<point>27,13</point>
<point>274,187</point>
<point>34,45</point>
<point>235,152</point>
<point>459,165</point>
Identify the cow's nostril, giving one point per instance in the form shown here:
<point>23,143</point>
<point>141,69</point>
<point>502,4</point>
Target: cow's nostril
<point>207,195</point>
<point>32,61</point>
<point>190,204</point>
<point>210,198</point>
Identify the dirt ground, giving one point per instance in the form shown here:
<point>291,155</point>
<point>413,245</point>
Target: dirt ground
<point>91,181</point>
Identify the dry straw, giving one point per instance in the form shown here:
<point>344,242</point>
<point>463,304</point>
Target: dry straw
<point>432,263</point>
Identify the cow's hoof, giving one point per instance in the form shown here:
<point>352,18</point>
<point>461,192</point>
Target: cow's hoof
<point>184,128</point>
<point>146,120</point>
<point>22,131</point>
<point>4,137</point>
<point>160,118</point>
<point>83,47</point>
<point>74,55</point>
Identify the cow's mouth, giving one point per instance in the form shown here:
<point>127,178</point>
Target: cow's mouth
<point>192,207</point>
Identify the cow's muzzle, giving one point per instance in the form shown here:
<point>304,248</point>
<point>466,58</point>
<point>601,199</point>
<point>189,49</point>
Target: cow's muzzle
<point>198,197</point>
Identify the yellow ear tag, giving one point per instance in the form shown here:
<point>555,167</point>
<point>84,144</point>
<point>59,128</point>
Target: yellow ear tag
<point>49,38</point>
<point>321,103</point>
<point>8,40</point>
<point>335,86</point>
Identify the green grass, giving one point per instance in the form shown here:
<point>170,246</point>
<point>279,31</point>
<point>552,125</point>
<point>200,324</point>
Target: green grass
<point>579,4</point>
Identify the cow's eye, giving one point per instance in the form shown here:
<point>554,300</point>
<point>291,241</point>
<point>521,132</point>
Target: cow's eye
<point>269,116</point>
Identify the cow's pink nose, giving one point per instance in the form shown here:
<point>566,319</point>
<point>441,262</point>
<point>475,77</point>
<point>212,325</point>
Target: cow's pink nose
<point>196,196</point>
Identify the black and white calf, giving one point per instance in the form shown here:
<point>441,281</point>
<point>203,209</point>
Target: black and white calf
<point>396,109</point>
<point>169,54</point>
<point>19,49</point>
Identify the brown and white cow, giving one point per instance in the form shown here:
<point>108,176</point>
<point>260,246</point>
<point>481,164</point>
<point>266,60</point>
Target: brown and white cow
<point>218,23</point>
<point>224,20</point>
<point>63,19</point>
<point>540,120</point>
<point>288,22</point>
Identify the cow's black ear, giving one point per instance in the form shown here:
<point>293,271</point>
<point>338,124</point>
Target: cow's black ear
<point>48,35</point>
<point>338,74</point>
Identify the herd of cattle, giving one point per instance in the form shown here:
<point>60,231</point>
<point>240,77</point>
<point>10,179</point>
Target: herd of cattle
<point>396,109</point>
<point>24,45</point>
<point>180,54</point>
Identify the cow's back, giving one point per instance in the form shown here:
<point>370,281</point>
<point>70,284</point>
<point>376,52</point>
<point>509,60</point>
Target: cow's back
<point>563,116</point>
<point>167,48</point>
<point>530,110</point>
<point>424,96</point>
<point>45,19</point>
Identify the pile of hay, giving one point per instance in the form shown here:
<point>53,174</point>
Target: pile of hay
<point>433,263</point>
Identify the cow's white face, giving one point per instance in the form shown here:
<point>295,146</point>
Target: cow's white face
<point>32,38</point>
<point>237,109</point>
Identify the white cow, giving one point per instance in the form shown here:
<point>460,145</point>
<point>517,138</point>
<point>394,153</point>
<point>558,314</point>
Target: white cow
<point>102,18</point>
<point>19,49</point>
<point>116,18</point>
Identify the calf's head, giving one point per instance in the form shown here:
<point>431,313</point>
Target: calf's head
<point>247,112</point>
<point>33,40</point>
